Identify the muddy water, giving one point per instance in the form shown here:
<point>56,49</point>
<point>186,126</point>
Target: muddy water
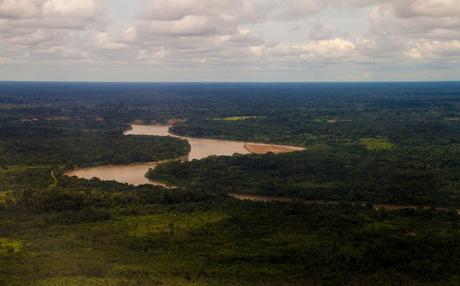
<point>134,174</point>
<point>201,148</point>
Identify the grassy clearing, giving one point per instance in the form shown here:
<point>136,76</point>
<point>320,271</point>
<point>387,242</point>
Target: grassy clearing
<point>9,246</point>
<point>330,120</point>
<point>144,226</point>
<point>5,195</point>
<point>238,118</point>
<point>377,143</point>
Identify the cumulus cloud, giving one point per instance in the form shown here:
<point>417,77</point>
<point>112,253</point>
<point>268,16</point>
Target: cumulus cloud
<point>152,56</point>
<point>221,31</point>
<point>242,11</point>
<point>335,49</point>
<point>17,16</point>
<point>427,8</point>
<point>424,30</point>
<point>16,9</point>
<point>35,37</point>
<point>426,49</point>
<point>178,33</point>
<point>422,18</point>
<point>49,30</point>
<point>104,41</point>
<point>295,9</point>
<point>188,17</point>
<point>52,14</point>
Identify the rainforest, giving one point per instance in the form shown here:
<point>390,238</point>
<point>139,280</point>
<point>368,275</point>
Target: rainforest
<point>368,194</point>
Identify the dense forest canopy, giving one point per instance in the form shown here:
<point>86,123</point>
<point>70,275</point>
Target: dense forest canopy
<point>393,143</point>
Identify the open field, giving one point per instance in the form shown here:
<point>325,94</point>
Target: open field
<point>255,148</point>
<point>377,143</point>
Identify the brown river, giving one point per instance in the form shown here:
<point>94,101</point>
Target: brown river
<point>134,174</point>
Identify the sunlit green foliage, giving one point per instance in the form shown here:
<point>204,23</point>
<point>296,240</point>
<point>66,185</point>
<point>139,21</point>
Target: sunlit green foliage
<point>9,246</point>
<point>377,143</point>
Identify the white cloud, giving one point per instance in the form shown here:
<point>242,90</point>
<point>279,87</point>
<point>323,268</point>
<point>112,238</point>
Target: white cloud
<point>152,56</point>
<point>173,10</point>
<point>104,41</point>
<point>129,35</point>
<point>16,9</point>
<point>428,8</point>
<point>256,51</point>
<point>427,18</point>
<point>50,30</point>
<point>187,26</point>
<point>70,8</point>
<point>51,14</point>
<point>426,49</point>
<point>216,33</point>
<point>337,49</point>
<point>294,9</point>
<point>422,30</point>
<point>35,38</point>
<point>23,9</point>
<point>328,49</point>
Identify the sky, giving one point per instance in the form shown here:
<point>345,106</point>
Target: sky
<point>230,40</point>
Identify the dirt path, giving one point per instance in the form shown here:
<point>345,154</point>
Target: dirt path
<point>55,180</point>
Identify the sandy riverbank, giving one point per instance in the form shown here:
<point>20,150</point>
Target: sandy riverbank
<point>260,149</point>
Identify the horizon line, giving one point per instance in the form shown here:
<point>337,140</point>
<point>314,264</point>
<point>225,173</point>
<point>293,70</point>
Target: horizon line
<point>228,82</point>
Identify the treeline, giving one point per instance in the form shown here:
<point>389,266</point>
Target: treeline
<point>347,174</point>
<point>406,116</point>
<point>46,146</point>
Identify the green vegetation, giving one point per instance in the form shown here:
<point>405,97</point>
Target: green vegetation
<point>216,241</point>
<point>322,175</point>
<point>4,196</point>
<point>376,143</point>
<point>70,148</point>
<point>9,246</point>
